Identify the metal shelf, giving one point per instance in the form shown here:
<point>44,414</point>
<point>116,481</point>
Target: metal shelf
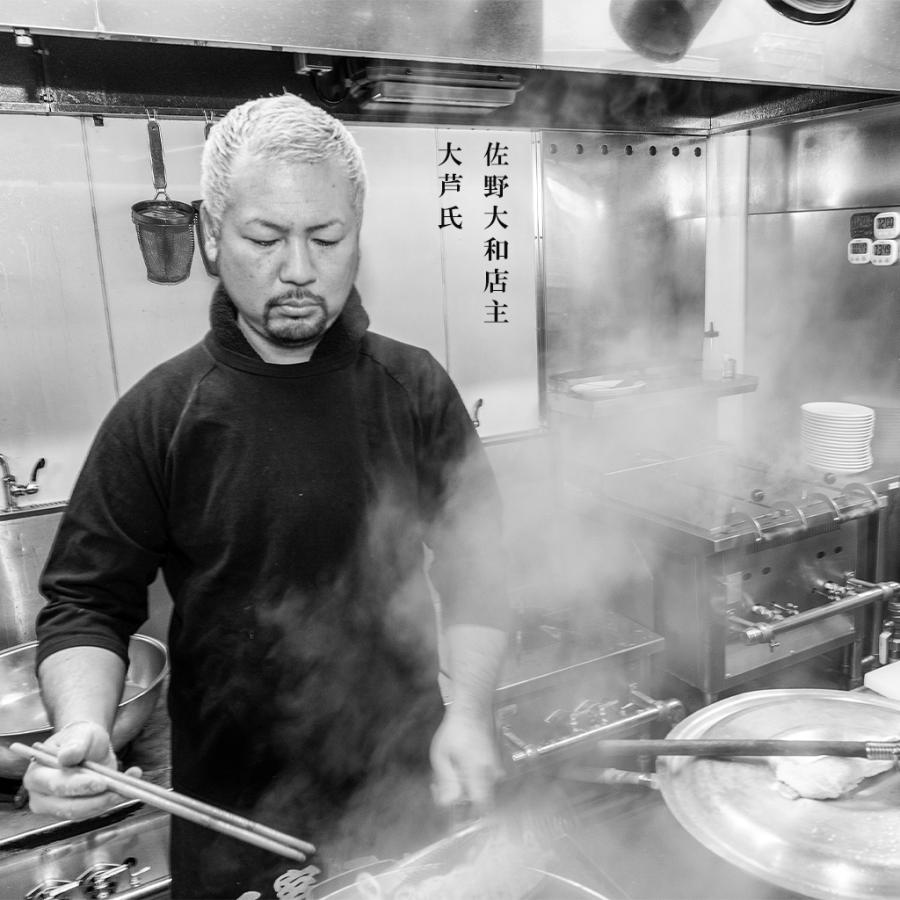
<point>662,392</point>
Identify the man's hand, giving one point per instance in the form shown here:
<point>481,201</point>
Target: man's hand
<point>69,794</point>
<point>464,754</point>
<point>465,760</point>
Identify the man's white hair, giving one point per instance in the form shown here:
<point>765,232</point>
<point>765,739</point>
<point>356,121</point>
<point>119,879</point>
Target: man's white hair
<point>284,128</point>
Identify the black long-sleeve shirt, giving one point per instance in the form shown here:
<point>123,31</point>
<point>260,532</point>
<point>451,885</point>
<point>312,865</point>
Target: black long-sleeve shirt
<point>287,506</point>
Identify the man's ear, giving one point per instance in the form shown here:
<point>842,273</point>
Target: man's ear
<point>210,236</point>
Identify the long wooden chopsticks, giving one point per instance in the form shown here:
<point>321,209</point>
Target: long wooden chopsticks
<point>181,805</point>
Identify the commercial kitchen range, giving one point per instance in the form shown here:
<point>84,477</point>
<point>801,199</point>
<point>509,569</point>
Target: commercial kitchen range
<point>755,568</point>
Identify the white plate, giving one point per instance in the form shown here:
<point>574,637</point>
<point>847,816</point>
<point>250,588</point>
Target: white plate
<point>841,447</point>
<point>858,450</point>
<point>833,456</point>
<point>838,433</point>
<point>838,410</point>
<point>808,416</point>
<point>842,461</point>
<point>855,447</point>
<point>832,453</point>
<point>843,434</point>
<point>843,428</point>
<point>841,470</point>
<point>832,441</point>
<point>599,389</point>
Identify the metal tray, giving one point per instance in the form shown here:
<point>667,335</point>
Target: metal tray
<point>846,848</point>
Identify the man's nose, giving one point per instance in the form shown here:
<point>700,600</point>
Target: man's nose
<point>297,266</point>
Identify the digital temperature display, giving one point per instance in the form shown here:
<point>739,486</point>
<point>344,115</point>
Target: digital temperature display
<point>859,247</point>
<point>881,249</point>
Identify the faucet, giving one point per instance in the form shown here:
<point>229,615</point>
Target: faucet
<point>12,488</point>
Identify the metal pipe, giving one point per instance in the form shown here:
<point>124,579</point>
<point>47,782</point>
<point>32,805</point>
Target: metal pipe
<point>8,480</point>
<point>765,633</point>
<point>666,709</point>
<point>875,628</point>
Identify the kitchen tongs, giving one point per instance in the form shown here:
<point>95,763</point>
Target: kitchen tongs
<point>713,747</point>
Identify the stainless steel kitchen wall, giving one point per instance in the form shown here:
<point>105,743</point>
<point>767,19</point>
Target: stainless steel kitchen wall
<point>80,322</point>
<point>24,542</point>
<point>624,251</point>
<point>818,327</point>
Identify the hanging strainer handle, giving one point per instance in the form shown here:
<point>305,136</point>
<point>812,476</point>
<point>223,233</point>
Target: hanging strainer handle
<point>156,157</point>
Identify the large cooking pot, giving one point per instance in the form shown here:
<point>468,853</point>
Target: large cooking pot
<point>24,719</point>
<point>476,862</point>
<point>382,885</point>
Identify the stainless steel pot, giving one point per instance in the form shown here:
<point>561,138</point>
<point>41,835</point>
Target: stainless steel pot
<point>22,715</point>
<point>368,886</point>
<point>465,866</point>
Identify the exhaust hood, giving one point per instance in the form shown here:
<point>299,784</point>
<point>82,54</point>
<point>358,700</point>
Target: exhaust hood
<point>749,41</point>
<point>552,64</point>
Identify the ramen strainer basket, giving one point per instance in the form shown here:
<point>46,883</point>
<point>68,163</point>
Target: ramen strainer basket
<point>165,228</point>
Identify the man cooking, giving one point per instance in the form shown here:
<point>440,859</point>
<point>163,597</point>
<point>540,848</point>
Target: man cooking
<point>286,474</point>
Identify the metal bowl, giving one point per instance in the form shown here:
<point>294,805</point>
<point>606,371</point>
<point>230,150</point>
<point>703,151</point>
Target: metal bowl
<point>23,717</point>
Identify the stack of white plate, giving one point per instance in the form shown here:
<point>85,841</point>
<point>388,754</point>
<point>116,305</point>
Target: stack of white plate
<point>837,437</point>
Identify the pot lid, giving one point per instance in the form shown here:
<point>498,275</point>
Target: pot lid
<point>846,848</point>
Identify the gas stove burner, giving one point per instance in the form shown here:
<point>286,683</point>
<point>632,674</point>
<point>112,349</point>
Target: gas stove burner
<point>719,497</point>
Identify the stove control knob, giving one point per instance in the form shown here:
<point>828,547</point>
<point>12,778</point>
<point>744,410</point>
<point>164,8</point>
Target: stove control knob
<point>757,495</point>
<point>99,881</point>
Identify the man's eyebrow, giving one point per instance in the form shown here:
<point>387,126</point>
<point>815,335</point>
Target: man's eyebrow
<point>278,227</point>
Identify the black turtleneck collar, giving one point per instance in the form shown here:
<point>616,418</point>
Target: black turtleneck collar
<point>344,335</point>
